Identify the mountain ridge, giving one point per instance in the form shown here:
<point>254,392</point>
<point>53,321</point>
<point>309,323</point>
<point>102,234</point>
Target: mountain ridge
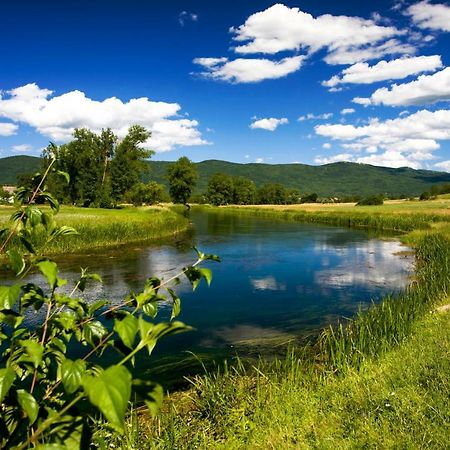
<point>334,179</point>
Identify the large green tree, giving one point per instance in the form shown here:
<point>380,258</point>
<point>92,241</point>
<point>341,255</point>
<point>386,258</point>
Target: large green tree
<point>128,163</point>
<point>244,192</point>
<point>100,166</point>
<point>272,194</point>
<point>220,189</point>
<point>182,176</point>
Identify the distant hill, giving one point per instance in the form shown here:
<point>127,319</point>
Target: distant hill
<point>337,179</point>
<point>12,166</point>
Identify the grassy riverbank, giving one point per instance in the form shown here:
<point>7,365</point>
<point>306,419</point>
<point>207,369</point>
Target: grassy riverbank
<point>382,381</point>
<point>111,227</point>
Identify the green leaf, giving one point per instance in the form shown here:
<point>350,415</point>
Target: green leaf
<point>127,328</point>
<point>97,305</point>
<point>85,277</point>
<point>63,231</point>
<point>11,318</point>
<point>33,215</point>
<point>28,404</point>
<point>211,258</point>
<point>110,392</point>
<point>206,274</point>
<point>7,377</point>
<point>71,374</point>
<point>51,447</point>
<point>205,257</point>
<point>151,393</point>
<point>176,308</point>
<point>150,333</point>
<point>64,174</point>
<point>16,261</point>
<point>70,433</point>
<point>145,331</point>
<point>34,350</point>
<point>9,296</point>
<point>54,204</point>
<point>49,269</point>
<point>151,309</point>
<point>93,331</point>
<point>194,276</point>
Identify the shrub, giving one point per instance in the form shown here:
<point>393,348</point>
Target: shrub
<point>372,200</point>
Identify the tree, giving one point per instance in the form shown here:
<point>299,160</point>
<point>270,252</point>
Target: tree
<point>309,198</point>
<point>272,194</point>
<point>220,189</point>
<point>244,191</point>
<point>101,168</point>
<point>182,176</point>
<point>149,193</point>
<point>128,164</point>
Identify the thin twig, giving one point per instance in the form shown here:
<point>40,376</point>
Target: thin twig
<point>31,200</point>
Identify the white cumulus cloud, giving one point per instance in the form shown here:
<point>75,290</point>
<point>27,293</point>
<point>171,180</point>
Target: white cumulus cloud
<point>404,141</point>
<point>21,148</point>
<point>346,111</point>
<point>246,70</point>
<point>311,116</point>
<point>426,89</point>
<point>186,16</point>
<point>269,124</point>
<point>430,16</point>
<point>363,73</point>
<point>280,28</point>
<point>332,159</point>
<point>443,165</point>
<point>56,116</point>
<point>8,129</point>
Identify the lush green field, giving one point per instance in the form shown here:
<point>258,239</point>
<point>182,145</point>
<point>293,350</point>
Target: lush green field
<point>111,227</point>
<point>381,381</point>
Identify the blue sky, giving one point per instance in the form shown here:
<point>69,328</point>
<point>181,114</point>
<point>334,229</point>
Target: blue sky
<point>254,81</point>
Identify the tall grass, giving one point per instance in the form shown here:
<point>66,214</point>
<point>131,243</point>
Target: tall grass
<point>109,228</point>
<point>354,218</point>
<point>378,329</point>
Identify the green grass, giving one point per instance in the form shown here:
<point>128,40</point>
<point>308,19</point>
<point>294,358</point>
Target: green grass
<point>111,227</point>
<point>399,401</point>
<point>381,380</point>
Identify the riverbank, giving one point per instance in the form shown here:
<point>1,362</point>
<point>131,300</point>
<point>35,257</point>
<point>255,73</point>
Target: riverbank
<point>111,227</point>
<point>380,382</point>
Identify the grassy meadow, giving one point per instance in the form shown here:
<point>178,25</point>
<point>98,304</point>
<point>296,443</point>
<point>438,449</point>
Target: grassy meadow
<point>380,380</point>
<point>111,227</point>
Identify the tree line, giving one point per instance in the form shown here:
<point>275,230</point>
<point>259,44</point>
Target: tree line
<point>105,171</point>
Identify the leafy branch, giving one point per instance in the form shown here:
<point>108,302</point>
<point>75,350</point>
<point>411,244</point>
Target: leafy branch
<point>48,395</point>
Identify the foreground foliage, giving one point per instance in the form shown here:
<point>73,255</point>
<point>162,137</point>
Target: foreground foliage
<point>67,365</point>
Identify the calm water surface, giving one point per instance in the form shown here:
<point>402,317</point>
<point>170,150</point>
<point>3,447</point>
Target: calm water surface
<point>278,281</point>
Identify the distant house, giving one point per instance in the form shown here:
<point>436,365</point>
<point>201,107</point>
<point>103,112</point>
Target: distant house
<point>9,188</point>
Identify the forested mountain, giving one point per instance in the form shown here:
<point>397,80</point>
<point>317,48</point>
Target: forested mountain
<point>337,179</point>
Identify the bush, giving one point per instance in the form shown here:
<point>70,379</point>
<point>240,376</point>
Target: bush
<point>372,200</point>
<point>149,194</point>
<point>425,196</point>
<point>309,198</point>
